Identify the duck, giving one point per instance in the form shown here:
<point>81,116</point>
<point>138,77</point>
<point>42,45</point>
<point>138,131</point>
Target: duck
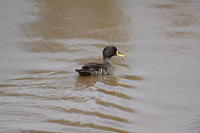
<point>105,68</point>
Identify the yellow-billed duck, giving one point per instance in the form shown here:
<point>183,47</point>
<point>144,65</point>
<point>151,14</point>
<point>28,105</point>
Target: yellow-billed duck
<point>104,68</point>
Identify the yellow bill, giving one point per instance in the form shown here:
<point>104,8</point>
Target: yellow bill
<point>119,54</point>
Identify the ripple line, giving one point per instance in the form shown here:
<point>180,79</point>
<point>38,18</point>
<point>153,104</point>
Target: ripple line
<point>109,104</point>
<point>97,114</point>
<point>89,125</point>
<point>35,131</point>
<point>114,93</point>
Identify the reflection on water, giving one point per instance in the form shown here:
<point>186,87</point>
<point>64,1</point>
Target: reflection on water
<point>94,102</point>
<point>154,89</point>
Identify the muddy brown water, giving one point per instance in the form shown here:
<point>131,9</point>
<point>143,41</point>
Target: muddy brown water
<point>155,89</point>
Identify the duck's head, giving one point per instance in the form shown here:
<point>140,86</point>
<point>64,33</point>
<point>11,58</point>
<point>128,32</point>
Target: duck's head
<point>110,51</point>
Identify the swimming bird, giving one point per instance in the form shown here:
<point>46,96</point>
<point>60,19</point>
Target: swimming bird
<point>104,68</point>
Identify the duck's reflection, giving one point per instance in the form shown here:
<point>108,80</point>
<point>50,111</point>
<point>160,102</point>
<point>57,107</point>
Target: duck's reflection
<point>110,80</point>
<point>88,81</point>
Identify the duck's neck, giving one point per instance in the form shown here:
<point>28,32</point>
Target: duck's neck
<point>107,61</point>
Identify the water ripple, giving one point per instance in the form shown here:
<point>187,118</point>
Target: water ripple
<point>89,125</point>
<point>90,113</point>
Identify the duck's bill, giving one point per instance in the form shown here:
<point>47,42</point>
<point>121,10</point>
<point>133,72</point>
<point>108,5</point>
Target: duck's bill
<point>119,54</point>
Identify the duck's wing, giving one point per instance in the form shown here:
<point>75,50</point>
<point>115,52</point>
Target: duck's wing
<point>89,69</point>
<point>92,67</point>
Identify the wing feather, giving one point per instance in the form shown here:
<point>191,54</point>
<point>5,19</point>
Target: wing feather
<point>92,66</point>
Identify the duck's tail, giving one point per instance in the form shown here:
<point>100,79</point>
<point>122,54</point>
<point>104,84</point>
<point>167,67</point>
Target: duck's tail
<point>83,72</point>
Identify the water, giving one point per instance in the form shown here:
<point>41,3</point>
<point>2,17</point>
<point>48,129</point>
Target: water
<point>154,89</point>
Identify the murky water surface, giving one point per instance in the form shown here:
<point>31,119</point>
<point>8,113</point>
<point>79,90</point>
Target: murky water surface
<point>155,89</point>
